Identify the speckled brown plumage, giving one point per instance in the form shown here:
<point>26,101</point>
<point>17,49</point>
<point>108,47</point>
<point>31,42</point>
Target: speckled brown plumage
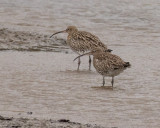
<point>81,41</point>
<point>107,64</point>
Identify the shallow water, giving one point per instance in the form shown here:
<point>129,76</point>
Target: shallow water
<point>48,84</point>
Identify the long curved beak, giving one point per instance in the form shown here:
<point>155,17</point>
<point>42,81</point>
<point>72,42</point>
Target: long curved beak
<point>89,53</point>
<point>57,33</point>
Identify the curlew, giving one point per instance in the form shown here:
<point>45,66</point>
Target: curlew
<point>107,64</point>
<point>82,41</point>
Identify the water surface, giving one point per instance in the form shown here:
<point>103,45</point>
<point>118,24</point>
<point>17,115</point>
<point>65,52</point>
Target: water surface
<point>48,84</point>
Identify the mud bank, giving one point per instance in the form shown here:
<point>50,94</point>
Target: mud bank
<point>27,41</point>
<point>10,122</point>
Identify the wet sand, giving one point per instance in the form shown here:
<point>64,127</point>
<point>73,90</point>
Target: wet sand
<point>10,122</point>
<point>29,41</point>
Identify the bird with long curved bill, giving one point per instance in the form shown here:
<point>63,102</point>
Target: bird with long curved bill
<point>107,64</point>
<point>82,41</point>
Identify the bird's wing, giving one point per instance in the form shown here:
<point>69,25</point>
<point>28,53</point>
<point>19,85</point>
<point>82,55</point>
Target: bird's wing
<point>89,39</point>
<point>111,61</point>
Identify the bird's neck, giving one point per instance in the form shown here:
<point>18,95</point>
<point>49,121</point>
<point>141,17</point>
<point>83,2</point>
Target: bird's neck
<point>100,55</point>
<point>96,56</point>
<point>73,32</point>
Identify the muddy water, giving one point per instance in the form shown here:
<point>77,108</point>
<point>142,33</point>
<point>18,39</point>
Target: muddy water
<point>47,83</point>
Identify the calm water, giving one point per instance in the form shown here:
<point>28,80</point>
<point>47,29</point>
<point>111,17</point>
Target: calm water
<point>48,84</point>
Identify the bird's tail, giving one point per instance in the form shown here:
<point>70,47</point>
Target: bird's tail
<point>127,64</point>
<point>108,50</point>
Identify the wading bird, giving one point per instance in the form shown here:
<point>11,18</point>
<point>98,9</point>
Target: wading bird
<point>107,64</point>
<point>82,41</point>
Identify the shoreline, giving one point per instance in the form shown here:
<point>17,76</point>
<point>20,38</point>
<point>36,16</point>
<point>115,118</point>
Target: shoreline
<point>13,122</point>
<point>30,41</point>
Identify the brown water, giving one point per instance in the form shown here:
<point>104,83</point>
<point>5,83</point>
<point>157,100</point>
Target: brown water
<point>48,84</point>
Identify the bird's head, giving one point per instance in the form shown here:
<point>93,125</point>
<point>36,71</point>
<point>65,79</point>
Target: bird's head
<point>96,51</point>
<point>69,30</point>
<point>93,52</point>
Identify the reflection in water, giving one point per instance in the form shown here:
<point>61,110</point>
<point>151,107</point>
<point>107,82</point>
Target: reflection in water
<point>47,83</point>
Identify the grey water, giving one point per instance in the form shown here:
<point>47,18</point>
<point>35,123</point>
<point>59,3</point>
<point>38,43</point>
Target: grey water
<point>46,82</point>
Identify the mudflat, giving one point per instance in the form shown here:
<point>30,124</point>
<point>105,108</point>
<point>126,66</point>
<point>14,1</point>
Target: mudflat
<point>6,122</point>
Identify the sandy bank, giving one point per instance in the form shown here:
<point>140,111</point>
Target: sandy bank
<point>10,122</point>
<point>28,41</point>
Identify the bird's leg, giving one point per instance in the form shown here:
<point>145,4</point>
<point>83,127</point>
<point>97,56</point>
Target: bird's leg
<point>112,81</point>
<point>90,62</point>
<point>79,62</point>
<point>103,81</point>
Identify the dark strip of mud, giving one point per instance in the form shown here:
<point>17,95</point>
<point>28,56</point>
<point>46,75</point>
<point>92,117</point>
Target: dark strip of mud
<point>7,122</point>
<point>26,41</point>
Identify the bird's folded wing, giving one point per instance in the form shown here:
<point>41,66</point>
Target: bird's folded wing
<point>111,61</point>
<point>89,39</point>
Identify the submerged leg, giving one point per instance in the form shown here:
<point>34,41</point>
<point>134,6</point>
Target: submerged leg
<point>79,62</point>
<point>112,81</point>
<point>90,62</point>
<point>103,81</point>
